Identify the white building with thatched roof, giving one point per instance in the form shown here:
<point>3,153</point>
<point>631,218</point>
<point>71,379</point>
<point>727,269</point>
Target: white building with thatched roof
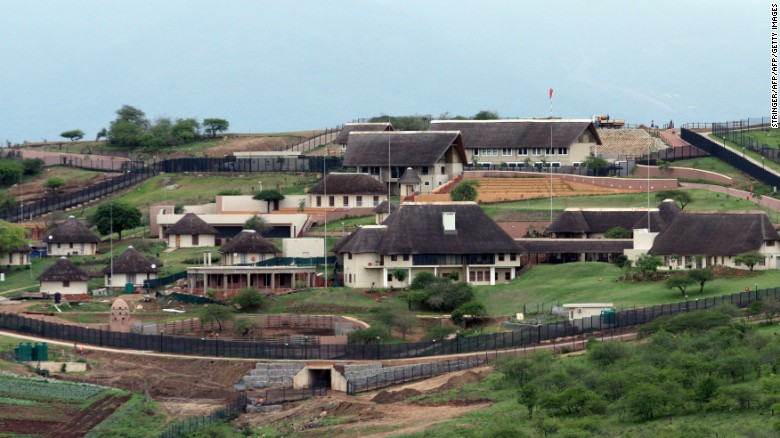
<point>435,156</point>
<point>130,267</point>
<point>71,238</point>
<point>190,232</point>
<point>16,257</point>
<point>347,190</point>
<point>64,277</point>
<point>517,141</point>
<point>246,248</point>
<point>348,128</point>
<point>452,239</point>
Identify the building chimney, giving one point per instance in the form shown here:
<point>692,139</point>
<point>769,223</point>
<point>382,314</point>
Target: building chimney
<point>448,221</point>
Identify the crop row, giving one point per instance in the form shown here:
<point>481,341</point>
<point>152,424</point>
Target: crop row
<point>16,402</point>
<point>47,389</point>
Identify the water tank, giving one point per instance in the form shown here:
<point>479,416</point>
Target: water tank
<point>40,352</point>
<point>23,353</point>
<point>129,287</point>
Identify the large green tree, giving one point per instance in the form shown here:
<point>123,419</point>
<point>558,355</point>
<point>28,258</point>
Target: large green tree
<point>257,223</point>
<point>269,196</point>
<point>486,115</point>
<point>128,128</point>
<point>594,163</point>
<point>10,171</point>
<point>681,196</point>
<point>73,134</point>
<point>215,313</point>
<point>465,191</point>
<point>749,259</point>
<point>11,236</point>
<point>186,130</point>
<point>701,276</point>
<point>116,217</point>
<point>680,282</point>
<point>214,126</point>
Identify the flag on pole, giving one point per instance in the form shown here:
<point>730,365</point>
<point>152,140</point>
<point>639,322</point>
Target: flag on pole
<point>551,92</point>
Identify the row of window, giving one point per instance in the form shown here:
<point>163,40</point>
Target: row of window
<point>345,201</point>
<point>396,171</point>
<point>508,152</point>
<point>447,259</point>
<point>699,262</point>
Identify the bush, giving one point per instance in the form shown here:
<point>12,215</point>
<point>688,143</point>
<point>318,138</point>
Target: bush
<point>421,280</point>
<point>371,335</point>
<point>247,299</point>
<point>607,353</point>
<point>32,165</point>
<point>229,192</point>
<point>693,321</point>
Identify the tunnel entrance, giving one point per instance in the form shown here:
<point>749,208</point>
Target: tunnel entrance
<point>320,378</point>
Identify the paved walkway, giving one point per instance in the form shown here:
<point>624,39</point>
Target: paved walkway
<point>761,201</point>
<point>672,138</point>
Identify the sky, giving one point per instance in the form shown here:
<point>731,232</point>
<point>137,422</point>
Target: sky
<point>281,66</point>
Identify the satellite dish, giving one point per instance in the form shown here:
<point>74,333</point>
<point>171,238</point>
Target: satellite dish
<point>50,237</point>
<point>153,266</point>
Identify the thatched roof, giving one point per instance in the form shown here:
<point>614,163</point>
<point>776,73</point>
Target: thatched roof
<point>417,228</point>
<point>581,246</point>
<point>363,127</point>
<point>517,133</point>
<point>24,249</point>
<point>71,231</point>
<point>410,176</point>
<point>190,224</point>
<point>362,240</point>
<point>617,143</point>
<point>602,220</point>
<point>348,184</point>
<point>249,242</point>
<point>715,234</point>
<point>382,207</point>
<point>63,270</point>
<point>132,262</point>
<point>407,148</point>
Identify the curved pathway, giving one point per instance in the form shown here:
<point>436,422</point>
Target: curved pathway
<point>762,201</point>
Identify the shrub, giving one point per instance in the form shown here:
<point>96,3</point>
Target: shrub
<point>229,192</point>
<point>421,280</point>
<point>247,299</point>
<point>371,335</point>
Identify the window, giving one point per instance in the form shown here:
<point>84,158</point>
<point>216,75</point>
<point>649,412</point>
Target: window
<point>389,277</point>
<point>512,257</point>
<point>130,278</point>
<point>491,152</point>
<point>427,183</point>
<point>522,151</point>
<point>472,276</point>
<point>331,201</point>
<point>424,170</point>
<point>737,263</point>
<point>480,275</point>
<point>349,256</point>
<point>536,151</point>
<point>358,201</point>
<point>394,258</point>
<point>364,170</point>
<point>507,275</point>
<point>195,239</point>
<point>476,152</point>
<point>549,151</point>
<point>500,257</point>
<point>59,245</point>
<point>762,261</point>
<point>443,170</point>
<point>406,257</point>
<point>563,151</point>
<point>319,201</point>
<point>770,243</point>
<point>376,201</point>
<point>71,245</point>
<point>345,201</point>
<point>65,283</point>
<point>506,152</point>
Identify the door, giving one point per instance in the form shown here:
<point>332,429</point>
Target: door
<point>178,240</point>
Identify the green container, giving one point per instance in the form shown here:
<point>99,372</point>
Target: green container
<point>40,352</point>
<point>608,316</point>
<point>23,353</point>
<point>129,288</point>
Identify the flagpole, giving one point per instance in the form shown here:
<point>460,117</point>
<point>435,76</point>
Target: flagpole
<point>551,152</point>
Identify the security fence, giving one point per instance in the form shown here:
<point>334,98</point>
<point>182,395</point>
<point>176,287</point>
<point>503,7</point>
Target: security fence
<point>189,425</point>
<point>407,373</point>
<point>524,336</point>
<point>738,132</point>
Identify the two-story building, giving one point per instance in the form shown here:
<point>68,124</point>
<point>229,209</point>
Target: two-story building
<point>453,239</point>
<point>522,142</point>
<point>347,190</point>
<point>434,156</point>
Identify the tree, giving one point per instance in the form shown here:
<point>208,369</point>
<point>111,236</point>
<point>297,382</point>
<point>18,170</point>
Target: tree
<point>103,133</point>
<point>269,195</point>
<point>645,400</point>
<point>32,165</point>
<point>243,326</point>
<point>10,171</point>
<point>247,299</point>
<point>125,134</point>
<point>486,115</point>
<point>529,397</point>
<point>679,282</point>
<point>11,236</point>
<point>617,233</point>
<point>400,274</point>
<point>749,259</point>
<point>54,183</point>
<point>681,196</point>
<point>73,134</point>
<point>465,191</point>
<point>257,223</point>
<point>214,126</point>
<point>186,130</point>
<point>701,276</point>
<point>215,313</point>
<point>371,335</point>
<point>770,308</point>
<point>133,115</point>
<point>648,264</point>
<point>421,280</point>
<point>595,164</point>
<point>116,217</point>
<point>471,310</point>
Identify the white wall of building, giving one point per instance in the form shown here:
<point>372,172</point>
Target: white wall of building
<point>73,248</point>
<point>303,247</point>
<point>73,288</point>
<point>185,241</point>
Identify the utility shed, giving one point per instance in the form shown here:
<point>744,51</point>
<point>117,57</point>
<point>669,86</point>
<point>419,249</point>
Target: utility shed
<point>586,310</point>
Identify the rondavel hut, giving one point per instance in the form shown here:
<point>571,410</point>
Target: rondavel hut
<point>247,247</point>
<point>190,232</point>
<point>64,277</point>
<point>130,267</point>
<point>71,238</point>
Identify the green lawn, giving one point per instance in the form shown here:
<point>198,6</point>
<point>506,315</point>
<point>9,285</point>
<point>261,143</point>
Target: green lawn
<point>702,200</point>
<point>597,283</point>
<point>710,164</point>
<point>769,137</point>
<point>740,150</point>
